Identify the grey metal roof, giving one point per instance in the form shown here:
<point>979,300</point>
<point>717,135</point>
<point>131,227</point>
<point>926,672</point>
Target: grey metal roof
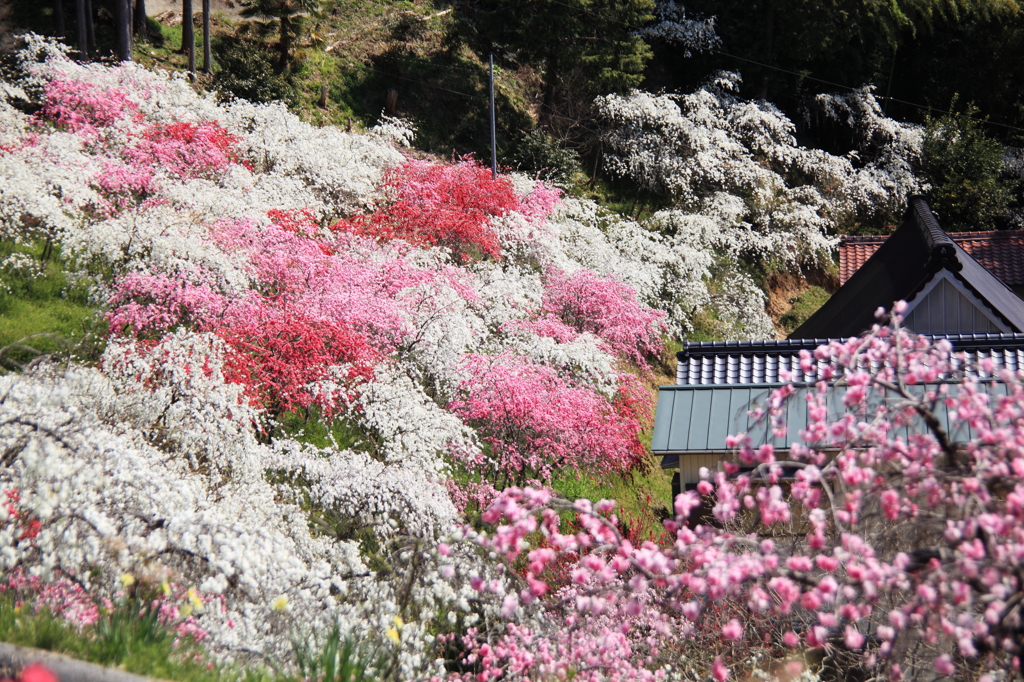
<point>694,419</point>
<point>704,363</point>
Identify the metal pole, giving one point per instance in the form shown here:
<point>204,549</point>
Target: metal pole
<point>494,143</point>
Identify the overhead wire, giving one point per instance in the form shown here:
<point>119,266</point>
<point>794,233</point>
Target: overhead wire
<point>922,107</point>
<point>772,67</point>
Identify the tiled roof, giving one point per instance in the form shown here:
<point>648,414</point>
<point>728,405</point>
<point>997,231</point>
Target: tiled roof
<point>900,268</point>
<point>1001,252</point>
<point>703,363</point>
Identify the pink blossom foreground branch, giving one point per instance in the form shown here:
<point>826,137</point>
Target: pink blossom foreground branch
<point>880,539</point>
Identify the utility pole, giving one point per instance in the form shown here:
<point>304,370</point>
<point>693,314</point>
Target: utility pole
<point>207,67</point>
<point>494,140</point>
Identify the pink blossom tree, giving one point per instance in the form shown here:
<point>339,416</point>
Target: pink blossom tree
<point>587,302</point>
<point>888,539</point>
<point>538,421</point>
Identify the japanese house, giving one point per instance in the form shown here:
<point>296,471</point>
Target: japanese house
<point>961,288</point>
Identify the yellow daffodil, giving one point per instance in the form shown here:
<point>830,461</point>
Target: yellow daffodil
<point>280,604</point>
<point>185,611</point>
<point>127,579</point>
<point>194,599</point>
<point>399,622</point>
<point>166,587</point>
<point>393,635</point>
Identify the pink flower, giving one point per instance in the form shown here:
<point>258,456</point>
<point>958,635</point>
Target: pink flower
<point>733,629</point>
<point>509,605</point>
<point>37,672</point>
<point>718,670</point>
<point>944,665</point>
<point>853,638</point>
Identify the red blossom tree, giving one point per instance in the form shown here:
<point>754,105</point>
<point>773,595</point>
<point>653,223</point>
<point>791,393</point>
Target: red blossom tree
<point>288,361</point>
<point>188,150</point>
<point>442,205</point>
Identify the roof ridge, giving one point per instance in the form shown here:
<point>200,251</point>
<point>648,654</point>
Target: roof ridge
<point>720,347</point>
<point>862,238</point>
<point>942,248</point>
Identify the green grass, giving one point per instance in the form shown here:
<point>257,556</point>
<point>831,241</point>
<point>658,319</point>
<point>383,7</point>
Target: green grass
<point>336,659</point>
<point>43,305</point>
<point>643,498</point>
<point>129,638</point>
<point>804,305</point>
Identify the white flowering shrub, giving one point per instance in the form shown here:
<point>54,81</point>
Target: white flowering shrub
<point>744,191</point>
<point>672,26</point>
<point>259,273</point>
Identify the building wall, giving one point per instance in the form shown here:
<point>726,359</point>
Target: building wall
<point>943,307</point>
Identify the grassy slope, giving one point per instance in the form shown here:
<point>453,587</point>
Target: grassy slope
<point>43,303</point>
<point>121,639</point>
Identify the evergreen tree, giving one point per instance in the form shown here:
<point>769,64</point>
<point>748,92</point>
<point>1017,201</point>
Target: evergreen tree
<point>963,165</point>
<point>595,37</point>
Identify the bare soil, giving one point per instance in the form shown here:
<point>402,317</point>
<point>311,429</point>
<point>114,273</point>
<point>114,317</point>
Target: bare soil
<point>154,8</point>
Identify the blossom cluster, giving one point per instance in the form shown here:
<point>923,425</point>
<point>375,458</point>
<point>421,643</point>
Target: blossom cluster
<point>743,190</point>
<point>887,537</point>
<point>257,273</point>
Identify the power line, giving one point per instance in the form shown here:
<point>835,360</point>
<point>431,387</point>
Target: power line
<point>921,107</point>
<point>852,89</point>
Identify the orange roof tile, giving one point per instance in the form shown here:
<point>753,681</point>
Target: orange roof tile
<point>1000,252</point>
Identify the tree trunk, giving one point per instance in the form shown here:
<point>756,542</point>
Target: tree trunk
<point>80,28</point>
<point>123,29</point>
<point>207,66</point>
<point>58,18</point>
<point>90,29</point>
<point>188,36</point>
<point>547,107</point>
<point>139,20</point>
<point>286,42</point>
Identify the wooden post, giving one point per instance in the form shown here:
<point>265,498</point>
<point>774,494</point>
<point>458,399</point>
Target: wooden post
<point>139,19</point>
<point>90,29</point>
<point>58,18</point>
<point>80,28</point>
<point>123,29</point>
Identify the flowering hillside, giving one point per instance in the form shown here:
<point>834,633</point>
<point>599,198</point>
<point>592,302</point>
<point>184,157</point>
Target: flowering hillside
<point>320,352</point>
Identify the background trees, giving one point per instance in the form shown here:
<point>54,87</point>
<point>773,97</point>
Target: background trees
<point>964,167</point>
<point>289,15</point>
<point>582,47</point>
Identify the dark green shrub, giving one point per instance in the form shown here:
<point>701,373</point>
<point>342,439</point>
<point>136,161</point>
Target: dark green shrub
<point>538,152</point>
<point>247,72</point>
<point>963,165</point>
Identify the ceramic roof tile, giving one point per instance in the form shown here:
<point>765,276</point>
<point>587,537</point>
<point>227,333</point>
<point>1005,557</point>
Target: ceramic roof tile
<point>1000,252</point>
<point>739,363</point>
